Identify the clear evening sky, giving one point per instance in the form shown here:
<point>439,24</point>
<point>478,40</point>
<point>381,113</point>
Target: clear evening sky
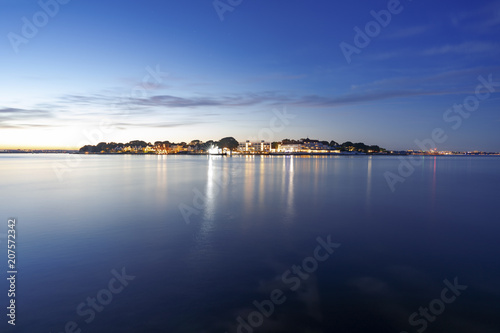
<point>188,69</point>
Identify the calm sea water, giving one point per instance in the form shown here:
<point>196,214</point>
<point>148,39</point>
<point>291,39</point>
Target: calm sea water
<point>200,240</point>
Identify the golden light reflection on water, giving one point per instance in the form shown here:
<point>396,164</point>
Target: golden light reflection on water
<point>256,183</point>
<point>161,172</point>
<point>262,182</point>
<point>433,187</point>
<point>210,192</point>
<point>249,183</point>
<point>369,182</point>
<point>209,198</point>
<point>259,188</point>
<point>290,205</point>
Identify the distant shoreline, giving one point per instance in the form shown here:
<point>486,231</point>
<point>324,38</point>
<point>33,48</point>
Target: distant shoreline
<point>256,154</point>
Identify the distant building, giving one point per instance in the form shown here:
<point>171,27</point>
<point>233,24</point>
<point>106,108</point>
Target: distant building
<point>249,147</point>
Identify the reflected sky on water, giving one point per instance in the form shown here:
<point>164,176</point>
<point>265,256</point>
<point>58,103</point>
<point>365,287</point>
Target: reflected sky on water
<point>205,237</point>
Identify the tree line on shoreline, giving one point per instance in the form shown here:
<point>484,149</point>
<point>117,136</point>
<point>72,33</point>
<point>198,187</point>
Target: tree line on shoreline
<point>139,146</point>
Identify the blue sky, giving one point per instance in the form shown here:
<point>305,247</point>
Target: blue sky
<point>173,70</point>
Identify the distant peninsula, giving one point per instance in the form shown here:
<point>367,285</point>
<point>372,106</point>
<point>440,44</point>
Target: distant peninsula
<point>229,146</point>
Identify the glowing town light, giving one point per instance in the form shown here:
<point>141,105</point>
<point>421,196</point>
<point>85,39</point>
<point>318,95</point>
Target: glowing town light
<point>213,150</point>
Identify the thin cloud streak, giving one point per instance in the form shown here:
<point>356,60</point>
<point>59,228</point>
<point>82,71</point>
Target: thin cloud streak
<point>156,105</point>
<point>464,48</point>
<point>25,126</point>
<point>485,20</point>
<point>123,125</point>
<point>10,115</point>
<point>451,77</point>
